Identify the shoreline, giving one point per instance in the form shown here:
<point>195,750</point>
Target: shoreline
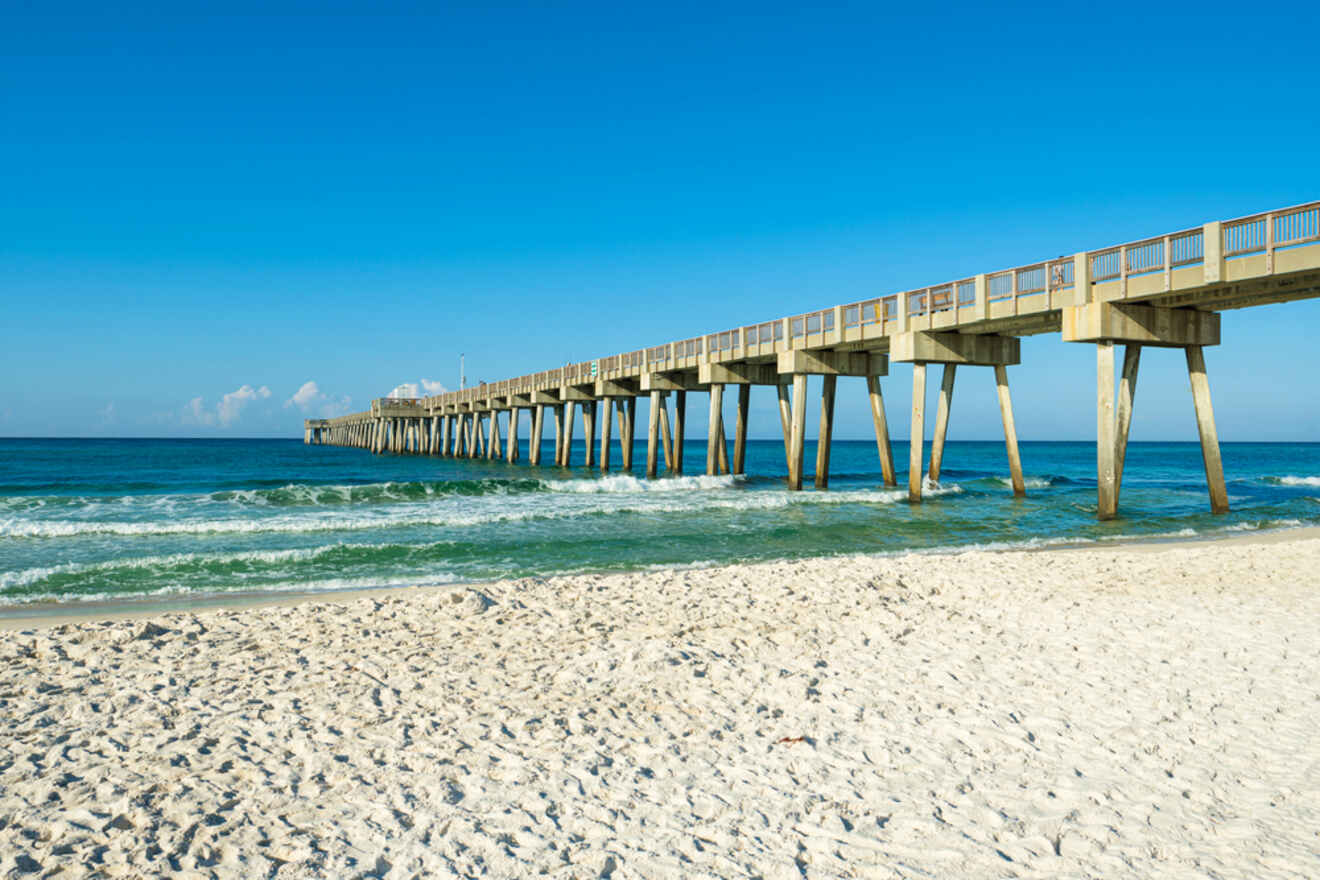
<point>43,615</point>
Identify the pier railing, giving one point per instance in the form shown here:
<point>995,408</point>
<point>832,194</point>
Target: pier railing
<point>1150,264</point>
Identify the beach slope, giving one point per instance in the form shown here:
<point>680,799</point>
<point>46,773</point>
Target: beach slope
<point>1110,711</point>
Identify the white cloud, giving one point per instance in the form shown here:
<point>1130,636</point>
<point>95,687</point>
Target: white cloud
<point>305,396</point>
<point>197,413</point>
<point>425,387</point>
<point>310,398</point>
<point>231,405</point>
<point>406,389</point>
<point>108,413</point>
<point>227,411</point>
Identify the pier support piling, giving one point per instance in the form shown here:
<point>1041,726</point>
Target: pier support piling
<point>884,448</point>
<point>628,431</point>
<point>786,423</point>
<point>653,435</point>
<point>621,417</point>
<point>715,429</point>
<point>666,437</point>
<point>568,435</point>
<point>917,436</point>
<point>589,433</point>
<point>922,348</point>
<point>942,422</point>
<point>826,432</point>
<point>1106,475</point>
<point>797,437</point>
<point>680,423</point>
<point>1127,394</point>
<point>514,452</point>
<point>740,429</point>
<point>1138,326</point>
<point>606,425</point>
<point>1205,425</point>
<point>1010,431</point>
<point>559,434</point>
<point>534,446</point>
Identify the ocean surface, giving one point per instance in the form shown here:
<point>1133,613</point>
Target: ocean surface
<point>106,520</point>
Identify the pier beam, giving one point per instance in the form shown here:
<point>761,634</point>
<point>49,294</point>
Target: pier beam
<point>942,421</point>
<point>884,448</point>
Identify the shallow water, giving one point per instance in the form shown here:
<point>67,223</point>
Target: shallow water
<point>84,520</point>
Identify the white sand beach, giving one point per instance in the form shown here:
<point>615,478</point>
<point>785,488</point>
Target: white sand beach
<point>1114,711</point>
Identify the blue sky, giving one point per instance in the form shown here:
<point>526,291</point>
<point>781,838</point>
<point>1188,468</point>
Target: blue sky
<point>203,212</point>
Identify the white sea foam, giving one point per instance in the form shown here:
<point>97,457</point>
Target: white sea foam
<point>1245,526</point>
<point>430,579</point>
<point>623,483</point>
<point>1028,482</point>
<point>28,576</point>
<point>459,512</point>
<point>1300,481</point>
<point>1263,524</point>
<point>1024,544</point>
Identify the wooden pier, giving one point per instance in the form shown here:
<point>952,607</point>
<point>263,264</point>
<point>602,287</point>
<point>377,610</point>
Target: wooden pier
<point>1165,291</point>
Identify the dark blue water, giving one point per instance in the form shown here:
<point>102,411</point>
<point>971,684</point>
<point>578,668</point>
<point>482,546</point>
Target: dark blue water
<point>106,519</point>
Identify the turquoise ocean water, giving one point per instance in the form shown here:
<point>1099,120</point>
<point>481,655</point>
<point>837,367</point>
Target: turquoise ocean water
<point>87,520</point>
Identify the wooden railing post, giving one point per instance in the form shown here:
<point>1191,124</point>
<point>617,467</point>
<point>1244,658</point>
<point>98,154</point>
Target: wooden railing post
<point>1269,244</point>
<point>1081,279</point>
<point>1212,249</point>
